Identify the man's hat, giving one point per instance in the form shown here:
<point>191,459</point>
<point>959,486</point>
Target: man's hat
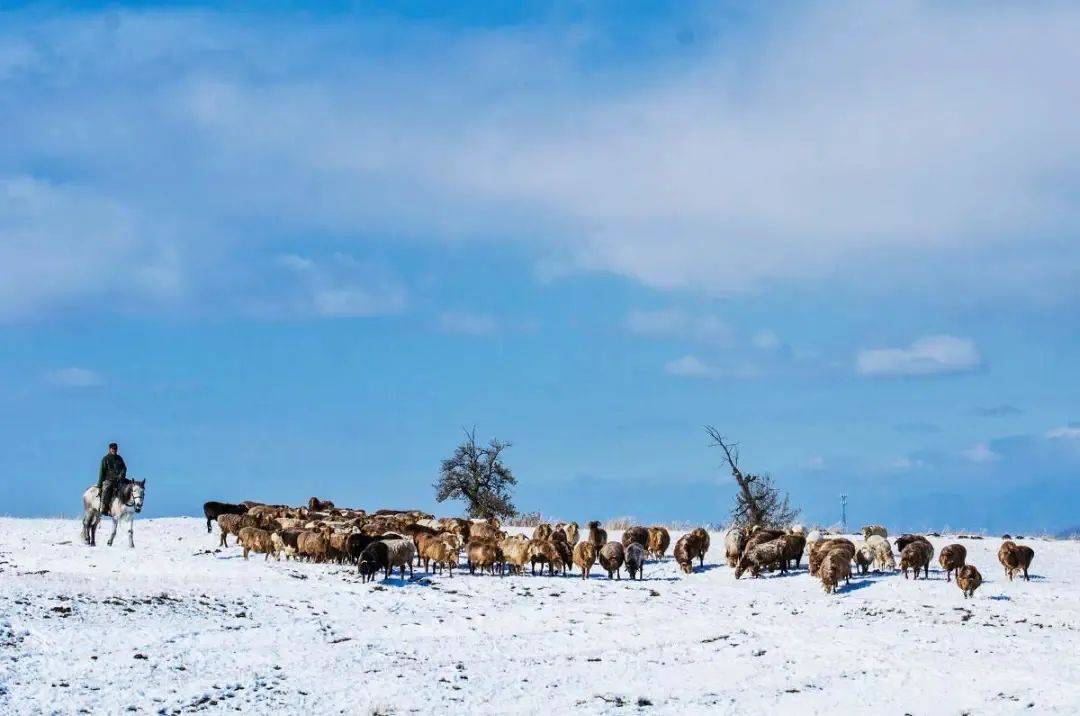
<point>113,446</point>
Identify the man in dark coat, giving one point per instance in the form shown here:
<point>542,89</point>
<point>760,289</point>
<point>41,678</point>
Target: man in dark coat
<point>113,470</point>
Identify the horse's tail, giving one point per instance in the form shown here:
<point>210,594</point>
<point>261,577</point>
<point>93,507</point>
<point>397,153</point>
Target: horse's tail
<point>90,498</point>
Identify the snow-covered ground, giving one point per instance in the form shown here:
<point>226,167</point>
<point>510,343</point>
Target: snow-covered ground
<point>175,626</point>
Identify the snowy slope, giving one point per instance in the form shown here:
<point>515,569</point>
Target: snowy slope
<point>173,626</point>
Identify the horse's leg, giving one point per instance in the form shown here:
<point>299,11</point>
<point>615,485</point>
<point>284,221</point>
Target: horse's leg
<point>131,531</point>
<point>115,525</point>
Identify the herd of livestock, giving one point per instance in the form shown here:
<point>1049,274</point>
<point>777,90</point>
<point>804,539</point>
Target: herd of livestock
<point>386,540</point>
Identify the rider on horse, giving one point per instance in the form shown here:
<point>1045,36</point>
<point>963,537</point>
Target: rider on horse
<point>113,471</point>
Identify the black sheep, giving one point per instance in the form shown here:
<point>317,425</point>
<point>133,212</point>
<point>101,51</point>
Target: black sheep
<point>213,510</point>
<point>375,557</point>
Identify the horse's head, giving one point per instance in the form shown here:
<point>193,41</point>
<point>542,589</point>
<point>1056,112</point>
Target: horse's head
<point>138,492</point>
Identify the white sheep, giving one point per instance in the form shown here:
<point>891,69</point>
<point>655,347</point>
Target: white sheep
<point>400,552</point>
<point>734,539</point>
<point>883,554</point>
<point>870,530</point>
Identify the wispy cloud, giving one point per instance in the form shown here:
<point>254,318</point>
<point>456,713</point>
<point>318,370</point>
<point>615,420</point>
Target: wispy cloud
<point>74,378</point>
<point>997,411</point>
<point>1067,432</point>
<point>674,323</point>
<point>472,324</point>
<point>932,355</point>
<point>690,367</point>
<point>917,427</point>
<point>981,453</point>
<point>338,286</point>
<point>767,340</point>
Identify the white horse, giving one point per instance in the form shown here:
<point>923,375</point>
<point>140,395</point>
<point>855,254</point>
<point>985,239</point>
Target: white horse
<point>126,502</point>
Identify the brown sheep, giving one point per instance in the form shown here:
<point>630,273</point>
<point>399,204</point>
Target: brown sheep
<point>336,544</point>
<point>255,540</point>
<point>761,536</point>
<point>484,531</point>
<point>703,544</point>
<point>834,567</point>
<point>543,551</point>
<point>439,553</point>
<point>542,531</point>
<point>230,525</point>
<point>317,505</point>
<point>570,530</point>
<point>312,546</point>
<point>612,556</point>
<point>636,534</point>
<point>819,549</point>
<point>794,544</point>
<point>484,555</point>
<point>952,558</point>
<point>659,541</point>
<point>916,555</point>
<point>1015,558</point>
<point>686,548</point>
<point>584,557</point>
<point>597,535</point>
<point>968,579</point>
<point>566,552</point>
<point>761,555</point>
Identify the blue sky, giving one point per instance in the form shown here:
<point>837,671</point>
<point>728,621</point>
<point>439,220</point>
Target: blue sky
<point>297,252</point>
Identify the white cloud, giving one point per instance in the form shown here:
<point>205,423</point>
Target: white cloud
<point>338,286</point>
<point>865,143</point>
<point>673,323</point>
<point>75,378</point>
<point>1068,432</point>
<point>981,453</point>
<point>689,367</point>
<point>906,463</point>
<point>766,340</point>
<point>472,324</point>
<point>60,243</point>
<point>931,355</point>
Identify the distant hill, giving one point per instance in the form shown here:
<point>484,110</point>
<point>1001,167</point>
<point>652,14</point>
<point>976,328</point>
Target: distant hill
<point>1070,533</point>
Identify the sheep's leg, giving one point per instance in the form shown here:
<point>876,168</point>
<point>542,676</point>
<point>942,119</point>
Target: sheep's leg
<point>208,530</point>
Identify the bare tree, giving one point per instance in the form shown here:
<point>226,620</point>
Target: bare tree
<point>477,475</point>
<point>758,501</point>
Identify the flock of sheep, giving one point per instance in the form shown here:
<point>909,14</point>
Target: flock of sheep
<point>394,539</point>
<point>831,558</point>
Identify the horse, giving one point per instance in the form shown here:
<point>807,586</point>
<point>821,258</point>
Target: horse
<point>126,502</point>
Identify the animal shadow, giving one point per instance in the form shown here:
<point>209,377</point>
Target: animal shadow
<point>855,586</point>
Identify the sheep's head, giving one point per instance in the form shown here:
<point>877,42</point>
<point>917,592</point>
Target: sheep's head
<point>687,567</point>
